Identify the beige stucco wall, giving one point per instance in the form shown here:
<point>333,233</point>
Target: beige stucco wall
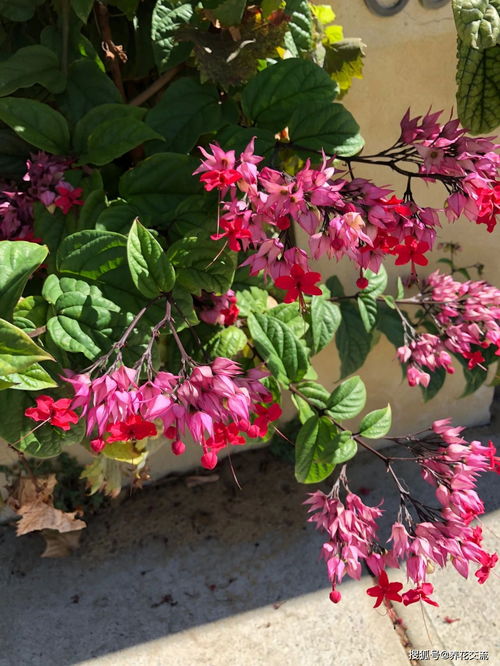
<point>410,62</point>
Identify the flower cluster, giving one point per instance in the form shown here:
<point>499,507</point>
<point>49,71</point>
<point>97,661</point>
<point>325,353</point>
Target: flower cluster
<point>216,405</point>
<point>467,316</point>
<point>471,162</point>
<point>345,216</point>
<point>422,537</point>
<point>43,182</point>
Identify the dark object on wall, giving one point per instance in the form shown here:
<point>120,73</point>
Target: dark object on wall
<point>384,10</point>
<point>380,9</point>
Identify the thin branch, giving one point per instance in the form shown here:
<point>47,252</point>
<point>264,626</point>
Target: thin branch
<point>114,54</point>
<point>155,87</point>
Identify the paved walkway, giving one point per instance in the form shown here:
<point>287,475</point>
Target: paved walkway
<point>220,576</point>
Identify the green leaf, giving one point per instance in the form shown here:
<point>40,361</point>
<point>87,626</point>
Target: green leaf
<point>30,65</point>
<point>478,93</point>
<point>235,137</point>
<point>272,96</point>
<point>389,322</point>
<point>229,12</point>
<point>16,428</point>
<point>98,115</point>
<point>185,111</point>
<point>313,396</point>
<point>281,350</point>
<point>165,22</point>
<point>83,321</point>
<point>159,184</point>
<point>34,378</point>
<point>17,350</point>
<point>95,203</point>
<point>87,87</point>
<point>90,254</point>
<point>117,217</point>
<point>114,138</point>
<point>300,24</point>
<point>251,300</point>
<point>376,424</point>
<point>478,22</point>
<point>321,125</point>
<point>201,266</point>
<point>315,434</point>
<point>340,449</point>
<point>353,340</point>
<point>227,343</point>
<point>347,400</point>
<point>367,310</point>
<point>18,260</point>
<point>324,321</point>
<point>36,123</point>
<point>32,309</point>
<point>19,10</point>
<point>151,271</point>
<point>82,8</point>
<point>400,289</point>
<point>290,314</point>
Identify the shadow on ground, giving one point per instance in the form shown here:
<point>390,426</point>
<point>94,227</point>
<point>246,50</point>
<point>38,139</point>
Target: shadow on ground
<point>170,558</point>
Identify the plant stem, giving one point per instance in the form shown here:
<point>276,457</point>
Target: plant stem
<point>155,87</point>
<point>112,52</point>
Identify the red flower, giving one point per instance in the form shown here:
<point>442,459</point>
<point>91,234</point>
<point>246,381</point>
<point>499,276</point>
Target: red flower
<point>266,415</point>
<point>487,563</point>
<point>134,428</point>
<point>475,358</point>
<point>420,593</point>
<point>230,314</point>
<point>220,179</point>
<point>385,590</point>
<point>68,197</point>
<point>56,412</point>
<point>299,283</point>
<point>234,232</point>
<point>412,250</point>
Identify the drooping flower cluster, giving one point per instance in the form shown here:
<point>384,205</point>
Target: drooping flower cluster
<point>345,216</point>
<point>445,149</point>
<point>216,405</point>
<point>467,315</point>
<point>422,537</point>
<point>43,182</point>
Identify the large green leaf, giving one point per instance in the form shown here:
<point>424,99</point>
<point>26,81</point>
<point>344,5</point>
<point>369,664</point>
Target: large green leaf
<point>321,125</point>
<point>159,183</point>
<point>18,260</point>
<point>324,321</point>
<point>227,343</point>
<point>290,314</point>
<point>34,378</point>
<point>348,399</point>
<point>114,138</point>
<point>99,115</point>
<point>30,65</point>
<point>90,253</point>
<point>478,22</point>
<point>367,298</point>
<point>478,93</point>
<point>281,350</point>
<point>315,434</point>
<point>341,448</point>
<point>151,271</point>
<point>344,61</point>
<point>82,8</point>
<point>376,424</point>
<point>167,18</point>
<point>310,397</point>
<point>235,137</point>
<point>352,339</point>
<point>83,321</point>
<point>17,350</point>
<point>200,265</point>
<point>16,428</point>
<point>87,87</point>
<point>272,96</point>
<point>36,123</point>
<point>186,111</point>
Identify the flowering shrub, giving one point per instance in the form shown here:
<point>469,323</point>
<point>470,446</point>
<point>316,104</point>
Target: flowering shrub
<point>153,287</point>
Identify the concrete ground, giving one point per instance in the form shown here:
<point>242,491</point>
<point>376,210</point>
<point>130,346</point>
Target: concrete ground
<point>211,574</point>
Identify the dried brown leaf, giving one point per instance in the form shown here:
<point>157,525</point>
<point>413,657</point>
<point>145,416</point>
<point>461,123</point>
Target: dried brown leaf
<point>41,516</point>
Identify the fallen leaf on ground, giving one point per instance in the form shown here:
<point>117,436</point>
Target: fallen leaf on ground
<point>60,545</point>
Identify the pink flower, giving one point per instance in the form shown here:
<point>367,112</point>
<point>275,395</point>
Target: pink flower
<point>420,593</point>
<point>68,197</point>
